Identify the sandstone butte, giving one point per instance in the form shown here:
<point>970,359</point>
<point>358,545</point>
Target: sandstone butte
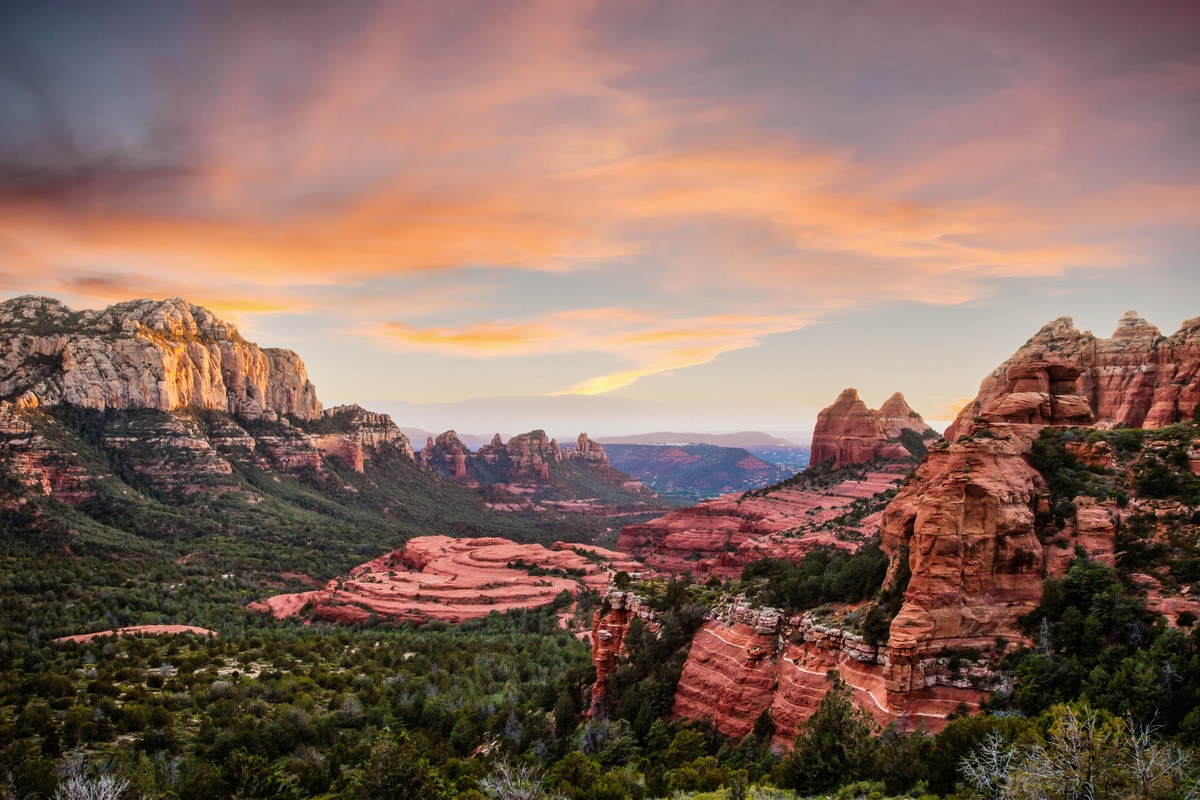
<point>850,433</point>
<point>722,535</point>
<point>965,522</point>
<point>452,580</point>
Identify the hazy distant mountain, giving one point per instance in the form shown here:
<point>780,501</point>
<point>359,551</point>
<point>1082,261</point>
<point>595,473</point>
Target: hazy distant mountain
<point>694,471</point>
<point>418,437</point>
<point>740,439</point>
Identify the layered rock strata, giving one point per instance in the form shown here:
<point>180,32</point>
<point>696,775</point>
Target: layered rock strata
<point>967,527</point>
<point>848,432</point>
<point>968,521</point>
<point>720,536</point>
<point>440,578</point>
<point>1137,378</point>
<point>164,355</point>
<point>745,660</point>
<point>361,433</point>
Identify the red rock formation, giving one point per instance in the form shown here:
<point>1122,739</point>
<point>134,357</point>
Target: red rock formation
<point>610,623</point>
<point>440,578</point>
<point>1137,378</point>
<point>968,519</point>
<point>34,462</point>
<point>847,432</point>
<point>850,433</point>
<point>532,454</point>
<point>722,535</point>
<point>748,660</point>
<point>587,450</point>
<point>364,433</point>
<point>446,454</point>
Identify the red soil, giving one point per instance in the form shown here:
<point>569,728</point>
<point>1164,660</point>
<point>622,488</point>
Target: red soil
<point>138,629</point>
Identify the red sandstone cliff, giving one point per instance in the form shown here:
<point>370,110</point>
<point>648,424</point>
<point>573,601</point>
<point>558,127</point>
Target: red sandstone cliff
<point>850,433</point>
<point>722,535</point>
<point>358,435</point>
<point>1137,378</point>
<point>967,522</point>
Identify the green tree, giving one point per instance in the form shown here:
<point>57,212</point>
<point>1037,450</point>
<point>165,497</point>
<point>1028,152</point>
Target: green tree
<point>834,747</point>
<point>396,770</point>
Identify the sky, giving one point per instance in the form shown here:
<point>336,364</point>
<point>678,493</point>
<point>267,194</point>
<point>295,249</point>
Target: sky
<point>611,216</point>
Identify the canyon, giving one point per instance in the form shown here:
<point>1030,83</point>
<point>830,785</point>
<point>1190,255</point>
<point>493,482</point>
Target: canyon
<point>826,505</point>
<point>969,535</point>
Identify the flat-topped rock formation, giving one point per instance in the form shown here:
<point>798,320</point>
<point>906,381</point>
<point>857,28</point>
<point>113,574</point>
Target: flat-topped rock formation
<point>440,578</point>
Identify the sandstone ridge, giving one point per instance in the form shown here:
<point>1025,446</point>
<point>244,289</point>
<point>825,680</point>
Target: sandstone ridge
<point>146,354</point>
<point>826,505</point>
<point>1137,378</point>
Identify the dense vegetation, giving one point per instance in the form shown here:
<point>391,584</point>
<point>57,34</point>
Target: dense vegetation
<point>496,708</point>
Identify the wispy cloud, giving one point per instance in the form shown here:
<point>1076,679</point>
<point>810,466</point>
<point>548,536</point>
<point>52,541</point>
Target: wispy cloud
<point>784,163</point>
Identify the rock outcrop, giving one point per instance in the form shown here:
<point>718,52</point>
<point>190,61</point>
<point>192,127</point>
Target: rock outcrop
<point>746,660</point>
<point>165,355</point>
<point>1137,378</point>
<point>353,434</point>
<point>720,536</point>
<point>445,454</point>
<point>440,578</point>
<point>848,432</point>
<point>826,505</point>
<point>967,523</point>
<point>586,450</point>
<point>975,531</point>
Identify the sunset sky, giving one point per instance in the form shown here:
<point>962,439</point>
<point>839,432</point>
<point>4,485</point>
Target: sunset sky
<point>611,216</point>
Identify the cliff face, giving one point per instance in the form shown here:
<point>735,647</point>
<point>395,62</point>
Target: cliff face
<point>968,520</point>
<point>148,354</point>
<point>976,527</point>
<point>850,433</point>
<point>358,435</point>
<point>746,660</point>
<point>172,396</point>
<point>1137,378</point>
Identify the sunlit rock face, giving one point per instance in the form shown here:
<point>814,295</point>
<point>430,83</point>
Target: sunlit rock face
<point>146,354</point>
<point>967,522</point>
<point>965,526</point>
<point>1137,378</point>
<point>850,433</point>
